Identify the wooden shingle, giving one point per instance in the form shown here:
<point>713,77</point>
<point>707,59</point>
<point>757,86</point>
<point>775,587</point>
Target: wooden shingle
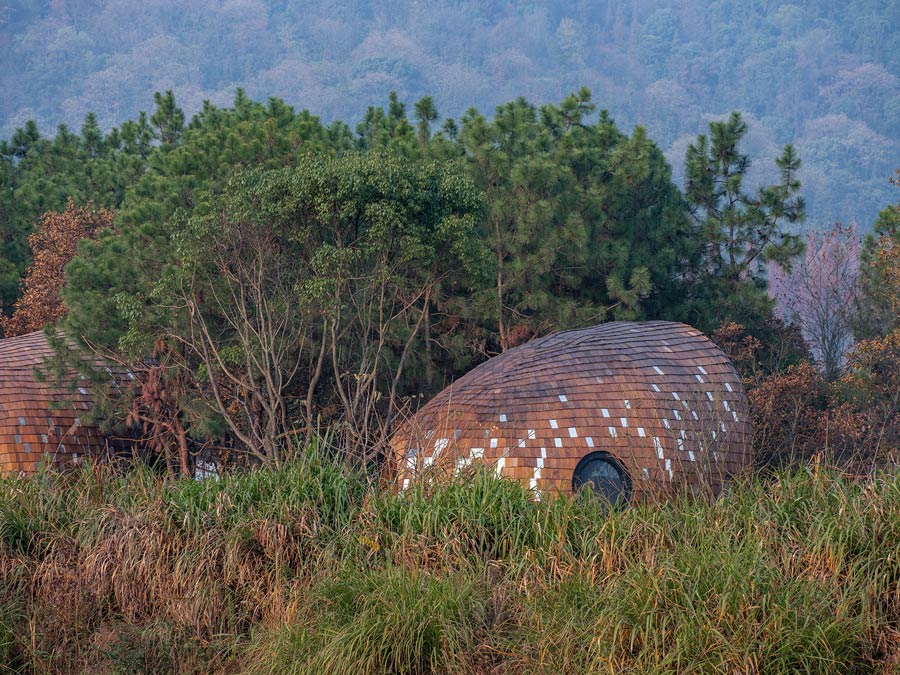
<point>659,397</point>
<point>39,421</point>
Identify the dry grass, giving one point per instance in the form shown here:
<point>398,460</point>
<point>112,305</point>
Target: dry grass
<point>313,569</point>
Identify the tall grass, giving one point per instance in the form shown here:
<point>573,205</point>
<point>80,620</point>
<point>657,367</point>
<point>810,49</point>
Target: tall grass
<point>314,569</point>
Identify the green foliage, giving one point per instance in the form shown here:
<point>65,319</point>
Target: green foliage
<point>425,113</point>
<point>273,271</point>
<point>168,118</point>
<point>878,317</point>
<point>10,638</point>
<point>39,174</point>
<point>463,242</point>
<point>330,490</point>
<point>584,222</point>
<point>111,279</point>
<point>739,231</point>
<point>388,130</point>
<point>389,620</point>
<point>743,230</point>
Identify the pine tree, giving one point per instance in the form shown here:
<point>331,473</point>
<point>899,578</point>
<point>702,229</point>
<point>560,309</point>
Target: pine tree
<point>740,230</point>
<point>425,113</point>
<point>91,137</point>
<point>584,223</point>
<point>168,118</point>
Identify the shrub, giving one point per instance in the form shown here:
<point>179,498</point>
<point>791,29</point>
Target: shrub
<point>313,569</point>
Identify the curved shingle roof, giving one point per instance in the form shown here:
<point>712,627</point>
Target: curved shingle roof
<point>39,421</point>
<point>658,396</point>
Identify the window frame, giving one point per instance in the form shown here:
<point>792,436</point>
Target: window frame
<point>625,478</point>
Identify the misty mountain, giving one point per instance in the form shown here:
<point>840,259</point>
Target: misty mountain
<point>824,76</point>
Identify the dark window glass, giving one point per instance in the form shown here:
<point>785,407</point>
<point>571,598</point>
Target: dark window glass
<point>602,474</point>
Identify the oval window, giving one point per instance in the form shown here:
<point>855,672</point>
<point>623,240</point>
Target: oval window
<point>605,476</point>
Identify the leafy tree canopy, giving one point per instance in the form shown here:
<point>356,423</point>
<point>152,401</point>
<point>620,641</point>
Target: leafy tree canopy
<point>584,222</point>
<point>296,293</point>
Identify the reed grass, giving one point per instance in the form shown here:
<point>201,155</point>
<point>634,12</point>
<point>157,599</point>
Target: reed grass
<point>314,568</point>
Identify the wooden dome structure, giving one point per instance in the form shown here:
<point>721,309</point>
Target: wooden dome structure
<point>627,408</point>
<point>39,421</point>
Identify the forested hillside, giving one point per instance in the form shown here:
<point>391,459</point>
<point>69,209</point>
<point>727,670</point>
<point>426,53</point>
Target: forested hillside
<point>821,75</point>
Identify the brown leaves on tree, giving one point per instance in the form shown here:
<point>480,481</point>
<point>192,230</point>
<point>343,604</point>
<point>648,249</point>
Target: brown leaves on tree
<point>784,410</point>
<point>739,346</point>
<point>53,245</point>
<point>797,414</point>
<point>156,410</point>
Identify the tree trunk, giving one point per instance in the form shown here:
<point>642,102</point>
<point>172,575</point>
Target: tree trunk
<point>183,453</point>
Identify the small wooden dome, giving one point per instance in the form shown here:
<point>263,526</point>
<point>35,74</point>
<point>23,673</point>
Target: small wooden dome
<point>38,420</point>
<point>628,408</point>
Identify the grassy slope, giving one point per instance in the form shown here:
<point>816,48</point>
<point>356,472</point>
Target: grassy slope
<point>310,570</point>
